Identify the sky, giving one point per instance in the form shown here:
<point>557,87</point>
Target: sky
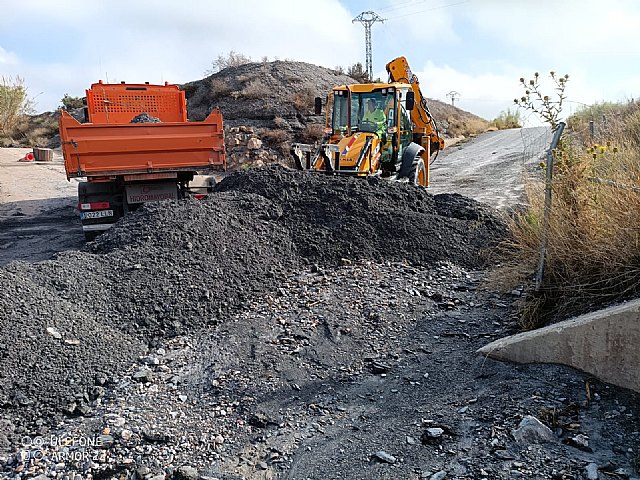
<point>477,48</point>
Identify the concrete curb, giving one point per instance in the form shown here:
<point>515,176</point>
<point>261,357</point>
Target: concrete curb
<point>605,344</point>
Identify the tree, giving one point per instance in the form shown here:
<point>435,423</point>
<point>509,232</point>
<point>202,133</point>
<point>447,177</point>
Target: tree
<point>71,103</point>
<point>231,59</point>
<point>358,73</point>
<point>14,104</point>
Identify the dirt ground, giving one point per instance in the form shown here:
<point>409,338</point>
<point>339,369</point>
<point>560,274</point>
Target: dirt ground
<point>37,208</point>
<point>274,332</point>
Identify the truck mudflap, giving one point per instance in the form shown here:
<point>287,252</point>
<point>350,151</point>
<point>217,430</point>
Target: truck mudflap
<point>92,150</point>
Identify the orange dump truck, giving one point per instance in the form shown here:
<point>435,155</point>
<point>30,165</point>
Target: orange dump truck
<point>126,164</point>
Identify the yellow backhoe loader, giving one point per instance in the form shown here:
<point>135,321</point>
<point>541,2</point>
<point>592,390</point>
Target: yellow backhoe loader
<point>381,129</point>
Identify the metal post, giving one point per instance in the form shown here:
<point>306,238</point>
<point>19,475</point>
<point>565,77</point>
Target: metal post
<point>547,203</point>
<point>367,19</point>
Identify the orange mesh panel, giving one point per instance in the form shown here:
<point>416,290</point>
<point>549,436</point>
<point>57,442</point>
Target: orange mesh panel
<point>119,103</point>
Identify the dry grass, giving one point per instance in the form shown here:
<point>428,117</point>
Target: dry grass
<point>313,132</point>
<point>506,120</point>
<point>219,87</point>
<point>274,137</point>
<point>37,137</point>
<point>303,100</point>
<point>593,253</point>
<point>255,89</point>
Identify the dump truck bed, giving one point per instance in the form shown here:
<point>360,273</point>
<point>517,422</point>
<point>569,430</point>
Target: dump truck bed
<point>124,149</point>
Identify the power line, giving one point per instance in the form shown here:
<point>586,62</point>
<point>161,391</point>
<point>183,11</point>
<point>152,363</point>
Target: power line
<point>398,6</point>
<point>367,19</point>
<point>429,9</point>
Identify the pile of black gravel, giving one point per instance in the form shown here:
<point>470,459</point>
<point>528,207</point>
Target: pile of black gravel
<point>69,324</point>
<point>144,117</point>
<point>330,218</point>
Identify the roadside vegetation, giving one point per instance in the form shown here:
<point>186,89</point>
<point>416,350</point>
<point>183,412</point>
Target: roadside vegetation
<point>593,240</point>
<point>508,119</point>
<point>15,105</point>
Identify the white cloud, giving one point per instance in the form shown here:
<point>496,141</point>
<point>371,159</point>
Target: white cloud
<point>162,40</point>
<point>7,58</point>
<point>485,94</point>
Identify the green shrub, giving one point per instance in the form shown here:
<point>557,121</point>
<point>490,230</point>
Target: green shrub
<point>507,120</point>
<point>14,105</point>
<point>71,103</point>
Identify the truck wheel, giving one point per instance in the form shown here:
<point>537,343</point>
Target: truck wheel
<point>418,173</point>
<point>410,157</point>
<point>91,236</point>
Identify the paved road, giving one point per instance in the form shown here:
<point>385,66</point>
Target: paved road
<point>490,167</point>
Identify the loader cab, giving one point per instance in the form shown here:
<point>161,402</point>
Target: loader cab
<point>349,108</point>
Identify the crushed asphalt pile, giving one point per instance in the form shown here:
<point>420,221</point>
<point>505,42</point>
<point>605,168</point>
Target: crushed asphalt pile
<point>72,323</point>
<point>331,218</point>
<point>144,117</point>
<point>291,326</point>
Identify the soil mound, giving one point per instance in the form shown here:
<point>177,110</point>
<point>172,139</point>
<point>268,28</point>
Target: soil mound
<point>255,94</point>
<point>331,218</point>
<point>175,267</point>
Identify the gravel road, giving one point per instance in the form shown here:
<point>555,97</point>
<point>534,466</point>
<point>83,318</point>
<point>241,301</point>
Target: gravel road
<point>490,167</point>
<point>292,326</point>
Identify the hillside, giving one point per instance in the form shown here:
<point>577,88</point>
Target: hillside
<point>266,106</point>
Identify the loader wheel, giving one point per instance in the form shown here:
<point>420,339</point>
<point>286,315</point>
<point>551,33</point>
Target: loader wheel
<point>410,157</point>
<point>418,173</point>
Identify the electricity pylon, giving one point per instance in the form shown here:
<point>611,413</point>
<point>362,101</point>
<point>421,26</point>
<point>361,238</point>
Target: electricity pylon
<point>367,19</point>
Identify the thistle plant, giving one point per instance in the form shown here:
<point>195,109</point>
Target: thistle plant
<point>545,106</point>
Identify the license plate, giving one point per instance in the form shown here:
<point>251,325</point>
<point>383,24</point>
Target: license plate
<point>96,214</point>
<point>151,192</point>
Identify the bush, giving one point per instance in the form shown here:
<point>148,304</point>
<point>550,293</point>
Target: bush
<point>219,88</point>
<point>231,59</point>
<point>14,105</point>
<point>274,137</point>
<point>592,255</point>
<point>254,89</point>
<point>313,132</point>
<point>507,120</point>
<point>303,100</point>
<point>358,73</point>
<point>71,103</point>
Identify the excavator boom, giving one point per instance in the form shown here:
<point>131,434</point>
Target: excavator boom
<point>424,124</point>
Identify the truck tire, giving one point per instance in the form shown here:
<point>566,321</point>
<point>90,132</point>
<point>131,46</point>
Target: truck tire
<point>91,236</point>
<point>410,158</point>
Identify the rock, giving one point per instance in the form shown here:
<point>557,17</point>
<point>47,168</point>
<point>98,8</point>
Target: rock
<point>155,437</point>
<point>254,143</point>
<point>432,435</point>
<point>378,368</point>
<point>438,475</point>
<point>532,430</point>
<point>185,473</point>
<point>105,442</point>
<point>411,440</point>
<point>504,455</point>
<point>592,471</point>
<point>262,466</point>
<point>142,472</point>
<point>384,457</point>
<point>580,442</point>
<point>54,333</point>
<point>144,375</point>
